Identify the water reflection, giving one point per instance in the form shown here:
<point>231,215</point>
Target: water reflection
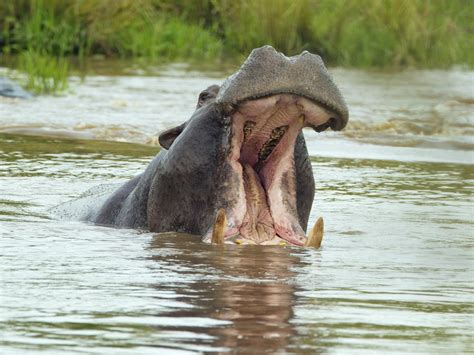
<point>248,286</point>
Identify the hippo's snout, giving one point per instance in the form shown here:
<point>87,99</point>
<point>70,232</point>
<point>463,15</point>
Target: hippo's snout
<point>267,72</point>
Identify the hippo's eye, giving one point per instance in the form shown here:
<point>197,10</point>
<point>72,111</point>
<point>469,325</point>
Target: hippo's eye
<point>203,96</point>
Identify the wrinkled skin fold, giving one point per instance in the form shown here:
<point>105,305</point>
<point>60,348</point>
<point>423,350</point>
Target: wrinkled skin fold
<point>238,170</point>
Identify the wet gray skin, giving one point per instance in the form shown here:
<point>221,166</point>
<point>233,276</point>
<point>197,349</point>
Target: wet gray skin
<point>242,151</point>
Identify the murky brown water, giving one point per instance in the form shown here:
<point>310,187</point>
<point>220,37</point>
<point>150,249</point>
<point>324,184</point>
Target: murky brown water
<point>395,273</point>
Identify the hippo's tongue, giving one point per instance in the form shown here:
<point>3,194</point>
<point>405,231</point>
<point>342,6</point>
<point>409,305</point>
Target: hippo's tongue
<point>258,222</point>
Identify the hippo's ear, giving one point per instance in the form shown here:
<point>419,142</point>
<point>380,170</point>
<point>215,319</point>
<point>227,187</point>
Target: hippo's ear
<point>207,95</point>
<point>166,138</point>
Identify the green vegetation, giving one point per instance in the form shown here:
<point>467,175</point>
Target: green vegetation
<point>43,34</point>
<point>396,33</point>
<point>45,73</point>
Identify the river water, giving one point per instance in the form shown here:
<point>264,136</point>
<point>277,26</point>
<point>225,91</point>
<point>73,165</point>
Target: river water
<point>394,275</point>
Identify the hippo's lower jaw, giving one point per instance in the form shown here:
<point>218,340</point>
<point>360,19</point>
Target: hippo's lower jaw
<point>263,208</point>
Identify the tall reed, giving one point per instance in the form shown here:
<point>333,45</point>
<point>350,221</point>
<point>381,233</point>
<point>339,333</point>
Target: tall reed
<point>45,74</point>
<point>394,32</point>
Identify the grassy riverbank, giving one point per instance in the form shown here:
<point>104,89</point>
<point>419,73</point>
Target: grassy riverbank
<point>42,34</point>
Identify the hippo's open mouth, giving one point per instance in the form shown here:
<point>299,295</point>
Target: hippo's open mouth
<point>264,133</point>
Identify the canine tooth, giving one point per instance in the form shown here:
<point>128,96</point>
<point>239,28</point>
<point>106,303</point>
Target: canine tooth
<point>271,143</point>
<point>238,241</point>
<point>315,236</point>
<point>219,229</point>
<point>248,127</point>
<point>301,119</point>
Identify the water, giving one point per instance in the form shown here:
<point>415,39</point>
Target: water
<point>394,275</point>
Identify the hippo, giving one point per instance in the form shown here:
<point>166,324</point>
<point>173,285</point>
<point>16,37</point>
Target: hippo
<point>11,89</point>
<point>238,171</point>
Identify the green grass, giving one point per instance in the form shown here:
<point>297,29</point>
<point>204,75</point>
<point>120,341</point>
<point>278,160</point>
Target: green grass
<point>45,74</point>
<point>165,38</point>
<point>43,38</point>
<point>351,33</point>
<point>247,24</point>
<point>396,33</point>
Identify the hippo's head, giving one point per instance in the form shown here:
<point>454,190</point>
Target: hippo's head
<point>243,152</point>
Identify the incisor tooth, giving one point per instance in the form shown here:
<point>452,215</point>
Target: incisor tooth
<point>315,236</point>
<point>219,229</point>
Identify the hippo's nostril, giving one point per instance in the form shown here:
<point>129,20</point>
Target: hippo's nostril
<point>322,127</point>
<point>337,124</point>
<point>332,123</point>
<point>271,143</point>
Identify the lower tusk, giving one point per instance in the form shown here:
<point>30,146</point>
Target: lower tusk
<point>315,236</point>
<point>219,229</point>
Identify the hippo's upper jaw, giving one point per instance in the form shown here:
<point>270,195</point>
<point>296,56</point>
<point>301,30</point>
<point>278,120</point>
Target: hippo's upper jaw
<point>269,100</point>
<point>267,72</point>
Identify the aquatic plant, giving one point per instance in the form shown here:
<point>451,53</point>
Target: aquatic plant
<point>43,39</point>
<point>45,74</point>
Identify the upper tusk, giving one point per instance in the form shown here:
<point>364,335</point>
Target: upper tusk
<point>219,229</point>
<point>315,236</point>
<point>301,119</point>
